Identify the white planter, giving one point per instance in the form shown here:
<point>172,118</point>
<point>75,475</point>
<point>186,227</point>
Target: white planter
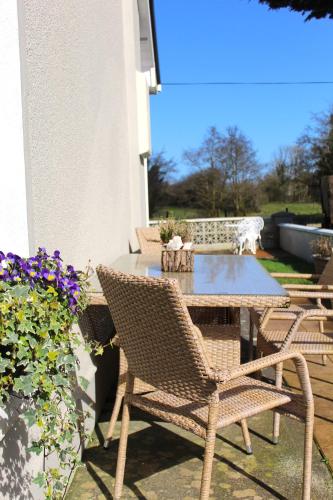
<point>17,466</point>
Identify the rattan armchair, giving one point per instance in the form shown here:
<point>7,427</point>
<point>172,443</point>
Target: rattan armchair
<point>303,297</point>
<point>166,351</point>
<point>309,333</point>
<point>149,240</point>
<point>222,346</point>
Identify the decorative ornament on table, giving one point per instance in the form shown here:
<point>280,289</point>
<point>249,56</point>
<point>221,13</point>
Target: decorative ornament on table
<point>175,244</point>
<point>177,254</point>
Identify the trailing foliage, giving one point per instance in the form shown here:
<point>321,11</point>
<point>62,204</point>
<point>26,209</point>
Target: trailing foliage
<point>40,300</point>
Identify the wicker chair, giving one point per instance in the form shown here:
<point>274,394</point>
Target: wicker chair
<point>303,297</point>
<point>310,333</point>
<point>164,349</point>
<point>223,350</point>
<point>149,240</point>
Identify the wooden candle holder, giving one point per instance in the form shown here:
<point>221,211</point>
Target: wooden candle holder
<point>179,261</point>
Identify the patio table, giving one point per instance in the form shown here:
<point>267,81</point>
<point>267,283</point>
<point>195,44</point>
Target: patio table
<point>217,281</point>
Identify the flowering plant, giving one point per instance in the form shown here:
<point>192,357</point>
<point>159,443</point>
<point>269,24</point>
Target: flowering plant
<point>172,227</point>
<point>40,300</point>
<point>321,246</point>
<point>44,270</point>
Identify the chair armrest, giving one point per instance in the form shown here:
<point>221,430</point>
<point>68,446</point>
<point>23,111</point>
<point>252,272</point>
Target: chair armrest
<point>221,377</point>
<point>310,294</point>
<point>293,286</point>
<point>304,276</point>
<point>323,314</point>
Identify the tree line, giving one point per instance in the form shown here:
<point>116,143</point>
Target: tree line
<point>226,178</point>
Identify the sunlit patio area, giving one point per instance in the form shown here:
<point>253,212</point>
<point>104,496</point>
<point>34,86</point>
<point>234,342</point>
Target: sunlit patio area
<point>166,250</point>
<point>165,462</point>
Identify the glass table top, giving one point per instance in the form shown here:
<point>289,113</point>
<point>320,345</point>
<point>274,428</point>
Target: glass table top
<point>213,274</point>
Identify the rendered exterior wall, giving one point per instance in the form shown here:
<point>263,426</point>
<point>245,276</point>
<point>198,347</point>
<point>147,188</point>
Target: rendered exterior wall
<point>85,180</point>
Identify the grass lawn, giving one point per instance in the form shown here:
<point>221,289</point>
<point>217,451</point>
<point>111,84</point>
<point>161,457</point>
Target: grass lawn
<point>180,213</point>
<point>265,210</point>
<point>296,208</point>
<point>288,264</point>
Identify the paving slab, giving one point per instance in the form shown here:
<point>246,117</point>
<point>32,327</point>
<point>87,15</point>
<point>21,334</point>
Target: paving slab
<point>165,463</point>
<point>322,388</point>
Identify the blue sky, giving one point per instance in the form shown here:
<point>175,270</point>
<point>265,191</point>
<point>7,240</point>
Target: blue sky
<point>237,40</point>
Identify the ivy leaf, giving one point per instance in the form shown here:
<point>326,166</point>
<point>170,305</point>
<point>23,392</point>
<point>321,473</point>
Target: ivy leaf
<point>52,355</point>
<point>19,291</point>
<point>4,364</point>
<point>55,325</point>
<point>59,380</point>
<point>24,384</point>
<point>83,383</point>
<point>30,417</point>
<point>40,479</point>
<point>99,350</point>
<point>12,337</point>
<point>35,449</point>
<point>26,326</point>
<point>20,315</point>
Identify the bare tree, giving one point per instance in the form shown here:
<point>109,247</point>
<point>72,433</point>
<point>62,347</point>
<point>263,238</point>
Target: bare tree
<point>210,176</point>
<point>228,170</point>
<point>241,166</point>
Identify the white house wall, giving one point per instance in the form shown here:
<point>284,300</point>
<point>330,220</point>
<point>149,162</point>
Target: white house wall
<point>13,203</point>
<point>85,179</point>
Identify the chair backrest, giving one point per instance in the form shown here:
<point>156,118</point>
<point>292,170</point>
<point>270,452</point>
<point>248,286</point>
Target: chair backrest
<point>161,344</point>
<point>149,240</point>
<point>326,277</point>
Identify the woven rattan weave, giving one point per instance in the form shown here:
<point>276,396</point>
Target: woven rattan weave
<point>164,349</point>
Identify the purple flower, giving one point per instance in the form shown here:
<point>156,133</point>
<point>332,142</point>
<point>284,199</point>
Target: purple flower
<point>56,254</point>
<point>49,275</point>
<point>3,273</point>
<point>32,273</point>
<point>2,256</point>
<point>10,257</point>
<point>34,261</point>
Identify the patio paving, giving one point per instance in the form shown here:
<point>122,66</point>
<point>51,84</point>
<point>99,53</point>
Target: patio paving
<point>165,463</point>
<point>322,387</point>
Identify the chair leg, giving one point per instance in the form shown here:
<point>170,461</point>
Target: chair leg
<point>260,244</point>
<point>307,467</point>
<point>276,416</point>
<point>324,359</point>
<point>123,439</point>
<point>246,436</point>
<point>251,332</point>
<point>209,453</point>
<point>113,420</point>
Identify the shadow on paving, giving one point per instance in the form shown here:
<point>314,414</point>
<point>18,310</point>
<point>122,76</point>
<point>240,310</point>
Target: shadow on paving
<point>164,462</point>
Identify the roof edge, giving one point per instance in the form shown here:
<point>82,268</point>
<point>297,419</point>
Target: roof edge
<point>155,45</point>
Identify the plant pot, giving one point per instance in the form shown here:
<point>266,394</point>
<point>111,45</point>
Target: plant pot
<point>320,263</point>
<point>18,466</point>
<point>177,260</point>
